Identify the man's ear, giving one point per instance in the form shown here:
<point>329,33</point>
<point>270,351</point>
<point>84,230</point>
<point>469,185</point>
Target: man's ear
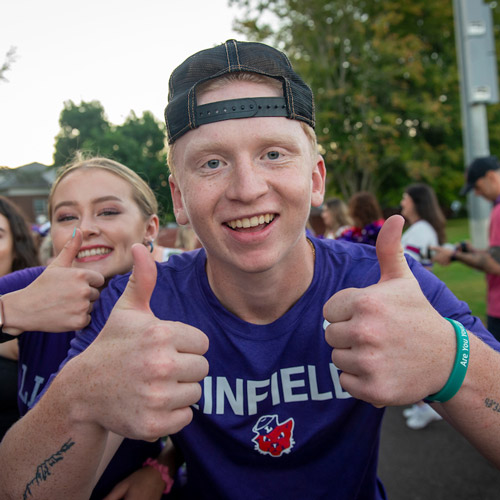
<point>318,182</point>
<point>179,210</point>
<point>493,176</point>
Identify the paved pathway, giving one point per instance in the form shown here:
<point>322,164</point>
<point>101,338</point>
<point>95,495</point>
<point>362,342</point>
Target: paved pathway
<point>435,463</point>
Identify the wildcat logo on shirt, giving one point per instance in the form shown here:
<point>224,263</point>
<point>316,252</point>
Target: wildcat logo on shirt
<point>272,437</point>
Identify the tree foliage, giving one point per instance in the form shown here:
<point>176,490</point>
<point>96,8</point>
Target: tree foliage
<point>385,78</point>
<point>137,143</point>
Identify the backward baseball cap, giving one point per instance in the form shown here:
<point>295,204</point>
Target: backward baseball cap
<point>478,169</point>
<point>183,113</point>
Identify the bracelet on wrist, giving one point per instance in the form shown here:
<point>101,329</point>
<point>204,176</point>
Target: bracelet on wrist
<point>460,366</point>
<point>163,470</point>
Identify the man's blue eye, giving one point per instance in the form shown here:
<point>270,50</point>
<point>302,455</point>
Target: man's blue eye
<point>273,155</point>
<point>213,163</point>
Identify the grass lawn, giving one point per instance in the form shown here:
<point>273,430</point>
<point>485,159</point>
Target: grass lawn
<point>466,283</point>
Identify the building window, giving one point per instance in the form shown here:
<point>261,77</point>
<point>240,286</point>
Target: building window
<point>40,208</point>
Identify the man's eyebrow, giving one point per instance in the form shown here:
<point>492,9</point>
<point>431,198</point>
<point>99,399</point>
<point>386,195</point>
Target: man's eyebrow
<point>70,203</point>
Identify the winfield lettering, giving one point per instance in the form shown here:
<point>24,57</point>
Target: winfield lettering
<point>288,385</point>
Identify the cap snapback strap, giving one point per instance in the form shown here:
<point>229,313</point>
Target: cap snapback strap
<point>240,108</point>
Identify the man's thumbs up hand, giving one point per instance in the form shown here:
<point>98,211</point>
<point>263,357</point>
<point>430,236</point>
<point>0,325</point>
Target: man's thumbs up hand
<point>141,283</point>
<point>144,373</point>
<point>384,336</point>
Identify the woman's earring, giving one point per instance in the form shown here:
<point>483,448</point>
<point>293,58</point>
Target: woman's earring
<point>150,244</point>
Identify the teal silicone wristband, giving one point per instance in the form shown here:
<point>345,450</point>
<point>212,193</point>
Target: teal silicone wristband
<point>459,368</point>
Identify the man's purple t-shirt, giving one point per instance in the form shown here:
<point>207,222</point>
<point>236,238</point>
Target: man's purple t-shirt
<point>273,420</point>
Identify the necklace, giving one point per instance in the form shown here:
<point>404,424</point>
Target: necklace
<point>311,244</point>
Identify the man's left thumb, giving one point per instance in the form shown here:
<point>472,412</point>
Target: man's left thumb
<point>390,251</point>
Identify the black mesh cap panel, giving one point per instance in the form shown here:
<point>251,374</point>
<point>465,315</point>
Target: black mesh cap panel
<point>181,113</point>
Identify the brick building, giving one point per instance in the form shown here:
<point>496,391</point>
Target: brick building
<point>28,187</point>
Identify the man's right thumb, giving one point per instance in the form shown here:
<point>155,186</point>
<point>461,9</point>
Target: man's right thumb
<point>70,250</point>
<point>142,281</point>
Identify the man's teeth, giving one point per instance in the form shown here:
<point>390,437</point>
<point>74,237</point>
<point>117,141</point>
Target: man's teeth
<point>254,221</point>
<point>93,251</point>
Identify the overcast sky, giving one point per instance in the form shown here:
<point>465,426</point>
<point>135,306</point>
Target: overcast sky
<point>119,52</point>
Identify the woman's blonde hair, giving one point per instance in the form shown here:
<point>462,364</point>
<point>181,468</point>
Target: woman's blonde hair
<point>222,81</point>
<point>141,192</point>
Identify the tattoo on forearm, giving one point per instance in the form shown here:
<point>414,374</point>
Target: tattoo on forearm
<point>491,403</point>
<point>43,470</point>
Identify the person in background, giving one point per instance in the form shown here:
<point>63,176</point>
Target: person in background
<point>186,238</point>
<point>46,250</point>
<point>17,246</point>
<point>336,218</point>
<point>17,251</point>
<point>483,176</point>
<point>427,223</point>
<point>98,209</point>
<point>367,217</point>
<point>421,210</point>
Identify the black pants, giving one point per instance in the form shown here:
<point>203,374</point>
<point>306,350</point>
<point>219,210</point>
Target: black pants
<point>8,394</point>
<point>494,326</point>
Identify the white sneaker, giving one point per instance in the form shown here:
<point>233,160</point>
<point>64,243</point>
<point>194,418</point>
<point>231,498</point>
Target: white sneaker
<point>408,412</point>
<point>422,417</point>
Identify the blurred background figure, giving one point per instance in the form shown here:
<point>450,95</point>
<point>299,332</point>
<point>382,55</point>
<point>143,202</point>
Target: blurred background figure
<point>46,251</point>
<point>366,214</point>
<point>336,218</point>
<point>185,240</point>
<point>17,251</point>
<point>421,210</point>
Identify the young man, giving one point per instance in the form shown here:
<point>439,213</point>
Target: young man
<point>483,175</point>
<point>278,414</point>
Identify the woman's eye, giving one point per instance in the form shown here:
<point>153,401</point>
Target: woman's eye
<point>109,212</point>
<point>273,155</point>
<point>212,164</point>
<point>64,218</point>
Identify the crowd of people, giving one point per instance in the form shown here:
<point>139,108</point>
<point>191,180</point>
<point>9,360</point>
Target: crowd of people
<point>264,353</point>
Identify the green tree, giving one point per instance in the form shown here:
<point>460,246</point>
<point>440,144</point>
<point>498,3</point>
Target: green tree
<point>137,143</point>
<point>385,78</point>
<point>494,110</point>
<point>84,127</point>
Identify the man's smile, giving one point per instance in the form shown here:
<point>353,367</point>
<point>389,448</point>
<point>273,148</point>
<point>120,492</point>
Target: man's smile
<point>248,222</point>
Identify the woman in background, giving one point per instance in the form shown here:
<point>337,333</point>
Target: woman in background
<point>420,208</point>
<point>336,218</point>
<point>98,209</point>
<point>367,216</point>
<point>17,251</point>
